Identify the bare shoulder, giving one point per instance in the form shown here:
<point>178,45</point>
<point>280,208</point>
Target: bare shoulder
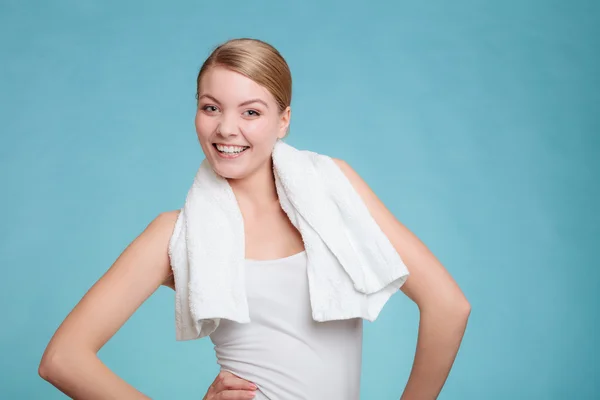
<point>340,163</point>
<point>170,215</point>
<point>159,230</point>
<point>351,174</point>
<point>395,230</point>
<point>368,196</point>
<point>166,219</point>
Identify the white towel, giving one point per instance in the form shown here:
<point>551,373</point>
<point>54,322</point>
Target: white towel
<point>353,269</point>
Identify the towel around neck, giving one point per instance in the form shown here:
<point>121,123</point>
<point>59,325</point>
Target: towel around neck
<point>353,269</point>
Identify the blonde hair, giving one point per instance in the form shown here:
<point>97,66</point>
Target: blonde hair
<point>256,60</point>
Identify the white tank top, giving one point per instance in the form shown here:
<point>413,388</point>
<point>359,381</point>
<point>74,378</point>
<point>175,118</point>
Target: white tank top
<point>283,350</point>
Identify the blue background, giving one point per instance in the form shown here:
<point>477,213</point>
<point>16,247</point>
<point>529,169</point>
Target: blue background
<point>476,122</point>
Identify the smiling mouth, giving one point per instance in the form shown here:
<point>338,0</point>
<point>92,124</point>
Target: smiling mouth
<point>231,150</point>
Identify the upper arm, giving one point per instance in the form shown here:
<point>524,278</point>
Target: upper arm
<point>429,282</point>
<point>134,276</point>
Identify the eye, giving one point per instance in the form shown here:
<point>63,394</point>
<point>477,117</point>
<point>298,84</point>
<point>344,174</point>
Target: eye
<point>252,113</point>
<point>210,109</point>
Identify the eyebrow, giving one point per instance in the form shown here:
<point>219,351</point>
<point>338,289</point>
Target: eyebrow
<point>244,103</point>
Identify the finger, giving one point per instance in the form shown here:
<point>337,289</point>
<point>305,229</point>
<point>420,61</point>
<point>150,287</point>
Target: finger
<point>228,381</point>
<point>214,386</point>
<point>223,374</point>
<point>219,379</point>
<point>236,383</point>
<point>235,395</point>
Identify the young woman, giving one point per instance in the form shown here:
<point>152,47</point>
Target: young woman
<point>244,96</point>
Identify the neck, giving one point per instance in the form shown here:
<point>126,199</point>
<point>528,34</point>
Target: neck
<point>257,190</point>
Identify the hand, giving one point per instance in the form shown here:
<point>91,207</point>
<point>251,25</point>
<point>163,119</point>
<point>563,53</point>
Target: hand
<point>228,386</point>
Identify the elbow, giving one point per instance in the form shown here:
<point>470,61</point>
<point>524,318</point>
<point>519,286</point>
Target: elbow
<point>51,364</point>
<point>48,365</point>
<point>459,306</point>
<point>456,307</point>
<point>459,303</point>
<point>463,307</point>
<point>59,363</point>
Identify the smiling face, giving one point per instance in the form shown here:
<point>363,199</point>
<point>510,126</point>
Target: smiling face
<point>237,122</point>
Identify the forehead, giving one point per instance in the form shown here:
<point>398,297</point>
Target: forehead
<point>229,86</point>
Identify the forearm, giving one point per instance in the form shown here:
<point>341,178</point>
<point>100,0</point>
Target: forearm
<point>84,376</point>
<point>440,334</point>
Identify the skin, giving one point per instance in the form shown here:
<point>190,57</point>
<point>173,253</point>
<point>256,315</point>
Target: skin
<point>70,361</point>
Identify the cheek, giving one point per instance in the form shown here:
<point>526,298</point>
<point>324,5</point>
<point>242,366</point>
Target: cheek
<point>259,131</point>
<point>204,126</point>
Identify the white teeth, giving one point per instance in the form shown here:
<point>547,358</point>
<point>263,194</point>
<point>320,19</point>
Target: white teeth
<point>230,149</point>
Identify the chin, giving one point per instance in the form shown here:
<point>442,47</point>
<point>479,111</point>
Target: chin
<point>229,172</point>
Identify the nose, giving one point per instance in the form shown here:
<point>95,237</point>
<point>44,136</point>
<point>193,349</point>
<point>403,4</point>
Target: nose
<point>227,126</point>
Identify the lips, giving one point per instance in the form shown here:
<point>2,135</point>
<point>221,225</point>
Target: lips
<point>229,151</point>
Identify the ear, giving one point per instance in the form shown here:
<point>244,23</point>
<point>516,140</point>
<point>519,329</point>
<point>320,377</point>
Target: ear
<point>284,122</point>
